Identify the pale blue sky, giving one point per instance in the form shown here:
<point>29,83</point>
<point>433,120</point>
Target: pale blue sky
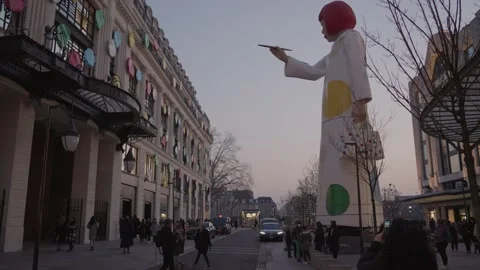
<point>242,89</point>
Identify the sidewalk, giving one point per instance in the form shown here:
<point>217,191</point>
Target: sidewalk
<point>107,255</point>
<point>456,260</point>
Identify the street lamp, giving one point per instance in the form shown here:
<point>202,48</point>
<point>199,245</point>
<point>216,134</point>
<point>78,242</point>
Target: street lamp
<point>129,160</point>
<point>467,212</point>
<point>70,142</point>
<point>71,138</point>
<point>359,200</point>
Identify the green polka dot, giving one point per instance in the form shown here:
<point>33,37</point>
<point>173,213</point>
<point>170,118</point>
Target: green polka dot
<point>338,200</point>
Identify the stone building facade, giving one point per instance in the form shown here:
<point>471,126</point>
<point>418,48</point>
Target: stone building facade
<point>107,68</point>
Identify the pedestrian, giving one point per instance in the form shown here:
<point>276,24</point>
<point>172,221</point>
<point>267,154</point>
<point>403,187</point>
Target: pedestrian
<point>404,246</point>
<point>453,232</point>
<point>92,227</point>
<point>71,234</point>
<point>179,244</point>
<point>442,237</point>
<point>288,241</point>
<point>202,244</point>
<point>333,239</point>
<point>297,241</point>
<point>319,237</point>
<point>166,240</point>
<point>255,224</point>
<point>306,242</point>
<point>154,229</point>
<point>136,224</point>
<point>127,233</point>
<point>60,231</point>
<point>142,230</point>
<point>148,232</point>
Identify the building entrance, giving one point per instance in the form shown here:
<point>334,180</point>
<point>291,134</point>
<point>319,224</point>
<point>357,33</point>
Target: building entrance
<point>58,184</point>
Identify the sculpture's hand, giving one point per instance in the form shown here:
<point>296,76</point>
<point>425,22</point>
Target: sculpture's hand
<point>280,54</point>
<point>359,111</point>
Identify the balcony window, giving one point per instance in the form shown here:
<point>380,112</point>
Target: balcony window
<point>175,148</point>
<point>133,83</point>
<point>165,175</point>
<point>80,14</point>
<point>126,148</point>
<point>199,152</point>
<point>185,185</point>
<point>164,118</point>
<point>74,45</point>
<point>150,96</point>
<point>150,168</point>
<point>178,181</point>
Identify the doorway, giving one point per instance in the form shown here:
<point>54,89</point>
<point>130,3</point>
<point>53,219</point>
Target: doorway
<point>147,210</point>
<point>127,207</point>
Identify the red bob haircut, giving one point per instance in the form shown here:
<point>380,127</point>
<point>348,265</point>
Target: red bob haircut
<point>337,16</point>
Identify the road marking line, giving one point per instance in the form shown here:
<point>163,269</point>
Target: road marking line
<point>233,253</point>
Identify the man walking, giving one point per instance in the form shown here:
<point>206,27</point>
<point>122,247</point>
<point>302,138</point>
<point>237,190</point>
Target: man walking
<point>166,240</point>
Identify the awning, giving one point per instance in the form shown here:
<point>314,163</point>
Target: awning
<point>438,118</point>
<point>44,74</point>
<point>436,197</point>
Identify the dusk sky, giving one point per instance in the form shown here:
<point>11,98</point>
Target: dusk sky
<point>241,87</point>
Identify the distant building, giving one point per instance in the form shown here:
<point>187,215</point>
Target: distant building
<point>267,207</point>
<point>232,202</point>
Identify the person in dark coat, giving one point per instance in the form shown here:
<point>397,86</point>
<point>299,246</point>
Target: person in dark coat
<point>453,232</point>
<point>319,237</point>
<point>202,244</point>
<point>288,241</point>
<point>405,245</point>
<point>60,232</point>
<point>333,239</point>
<point>127,233</point>
<point>166,239</point>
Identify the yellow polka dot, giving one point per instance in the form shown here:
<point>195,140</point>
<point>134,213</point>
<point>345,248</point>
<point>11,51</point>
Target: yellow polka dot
<point>338,99</point>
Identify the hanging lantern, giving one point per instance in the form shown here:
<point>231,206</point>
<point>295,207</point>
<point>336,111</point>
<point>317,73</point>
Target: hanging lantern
<point>129,161</point>
<point>71,138</point>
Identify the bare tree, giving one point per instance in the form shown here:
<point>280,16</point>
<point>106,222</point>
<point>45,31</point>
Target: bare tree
<point>364,144</point>
<point>392,205</point>
<point>227,171</point>
<point>438,90</point>
<point>300,204</point>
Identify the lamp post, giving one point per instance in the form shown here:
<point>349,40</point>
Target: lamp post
<point>467,212</point>
<point>359,200</point>
<point>70,142</point>
<point>129,160</point>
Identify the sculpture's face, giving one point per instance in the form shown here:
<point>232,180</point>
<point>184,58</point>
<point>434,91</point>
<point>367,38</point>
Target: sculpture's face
<point>328,37</point>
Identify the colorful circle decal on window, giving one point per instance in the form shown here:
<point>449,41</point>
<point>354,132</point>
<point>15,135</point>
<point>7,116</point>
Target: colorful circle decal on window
<point>89,57</point>
<point>112,49</point>
<point>99,19</point>
<point>116,81</point>
<point>63,36</point>
<point>138,75</point>
<point>117,37</point>
<point>131,39</point>
<point>130,67</point>
<point>74,59</point>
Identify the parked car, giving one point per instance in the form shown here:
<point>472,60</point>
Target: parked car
<point>223,225</point>
<point>192,230</point>
<point>271,231</point>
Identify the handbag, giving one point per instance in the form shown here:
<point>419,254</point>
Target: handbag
<point>364,138</point>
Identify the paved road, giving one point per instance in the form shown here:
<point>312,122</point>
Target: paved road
<point>238,251</point>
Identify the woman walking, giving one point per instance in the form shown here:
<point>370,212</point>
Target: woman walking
<point>442,237</point>
<point>179,244</point>
<point>71,236</point>
<point>92,227</point>
<point>319,237</point>
<point>202,244</point>
<point>306,242</point>
<point>333,239</point>
<point>127,232</point>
